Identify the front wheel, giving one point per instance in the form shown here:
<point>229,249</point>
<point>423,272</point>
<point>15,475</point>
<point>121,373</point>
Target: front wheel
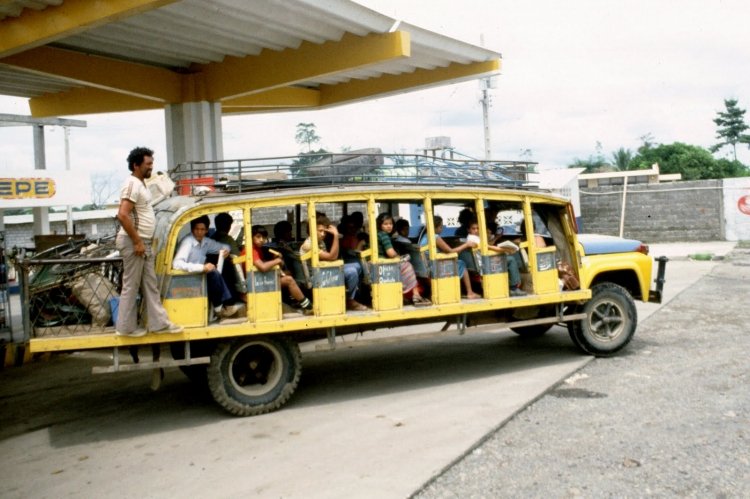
<point>610,322</point>
<point>251,376</point>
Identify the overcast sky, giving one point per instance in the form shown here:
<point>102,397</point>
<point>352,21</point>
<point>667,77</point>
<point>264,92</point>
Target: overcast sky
<point>574,73</point>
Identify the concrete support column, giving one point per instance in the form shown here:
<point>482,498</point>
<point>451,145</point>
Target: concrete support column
<point>41,215</point>
<point>193,132</point>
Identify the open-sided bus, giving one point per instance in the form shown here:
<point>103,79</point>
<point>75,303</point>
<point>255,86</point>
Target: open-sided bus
<point>252,361</point>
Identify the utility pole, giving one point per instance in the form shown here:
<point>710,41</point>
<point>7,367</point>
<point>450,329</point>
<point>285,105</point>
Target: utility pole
<point>485,100</point>
<point>69,210</point>
<point>485,84</point>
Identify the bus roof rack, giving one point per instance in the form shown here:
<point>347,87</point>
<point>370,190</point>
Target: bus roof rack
<point>361,166</point>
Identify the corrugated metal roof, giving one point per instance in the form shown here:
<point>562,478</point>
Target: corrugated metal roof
<point>183,34</point>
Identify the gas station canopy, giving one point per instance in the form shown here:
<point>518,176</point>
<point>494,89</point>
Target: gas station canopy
<point>72,57</point>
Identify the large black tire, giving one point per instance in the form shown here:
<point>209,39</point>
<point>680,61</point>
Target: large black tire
<point>251,376</point>
<point>535,331</point>
<point>610,323</point>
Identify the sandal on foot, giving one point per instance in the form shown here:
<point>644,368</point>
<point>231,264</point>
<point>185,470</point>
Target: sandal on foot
<point>418,301</point>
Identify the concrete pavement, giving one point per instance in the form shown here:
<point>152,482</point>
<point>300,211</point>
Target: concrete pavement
<point>372,422</point>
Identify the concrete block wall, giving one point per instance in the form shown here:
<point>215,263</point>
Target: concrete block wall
<point>669,212</point>
<point>22,235</point>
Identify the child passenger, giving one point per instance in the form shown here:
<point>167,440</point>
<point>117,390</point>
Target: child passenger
<point>260,237</point>
<point>409,282</point>
<point>328,244</point>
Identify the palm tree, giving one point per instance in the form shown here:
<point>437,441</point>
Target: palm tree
<point>621,158</point>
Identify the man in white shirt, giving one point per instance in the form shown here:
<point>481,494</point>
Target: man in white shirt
<point>137,223</point>
<point>191,257</point>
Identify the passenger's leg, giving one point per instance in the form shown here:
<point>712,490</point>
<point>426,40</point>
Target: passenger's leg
<point>411,288</point>
<point>290,284</point>
<point>132,269</point>
<point>514,272</point>
<point>218,292</point>
<point>155,314</point>
<point>352,274</point>
<point>515,262</point>
<point>466,280</point>
<point>229,274</point>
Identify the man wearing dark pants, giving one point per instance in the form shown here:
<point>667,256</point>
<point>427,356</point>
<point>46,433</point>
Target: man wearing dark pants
<point>137,221</point>
<point>191,257</point>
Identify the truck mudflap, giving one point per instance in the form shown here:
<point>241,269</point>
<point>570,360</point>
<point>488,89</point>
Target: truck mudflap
<point>655,295</point>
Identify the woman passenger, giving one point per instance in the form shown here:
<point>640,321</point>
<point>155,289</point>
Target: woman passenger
<point>411,287</point>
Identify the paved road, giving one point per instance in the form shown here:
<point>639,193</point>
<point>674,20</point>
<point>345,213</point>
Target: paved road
<point>669,418</point>
<point>378,421</point>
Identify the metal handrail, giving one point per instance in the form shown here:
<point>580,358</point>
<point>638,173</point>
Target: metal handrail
<point>347,168</point>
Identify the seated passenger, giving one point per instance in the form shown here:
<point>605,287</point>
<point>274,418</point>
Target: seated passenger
<point>465,234</point>
<point>514,260</point>
<point>403,246</point>
<point>283,240</point>
<point>465,218</point>
<point>352,236</point>
<point>444,247</point>
<point>191,257</point>
<point>400,237</point>
<point>223,222</point>
<point>282,233</point>
<point>260,237</point>
<point>328,243</point>
<point>409,282</point>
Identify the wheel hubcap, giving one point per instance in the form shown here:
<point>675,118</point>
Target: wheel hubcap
<point>255,369</point>
<point>607,321</point>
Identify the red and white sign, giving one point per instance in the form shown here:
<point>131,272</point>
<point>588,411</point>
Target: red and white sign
<point>743,204</point>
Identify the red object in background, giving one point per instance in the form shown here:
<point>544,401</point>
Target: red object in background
<point>743,204</point>
<point>185,186</point>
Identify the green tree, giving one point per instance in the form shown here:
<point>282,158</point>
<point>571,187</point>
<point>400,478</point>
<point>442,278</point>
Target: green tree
<point>692,162</point>
<point>730,127</point>
<point>306,134</point>
<point>621,158</point>
<point>730,169</point>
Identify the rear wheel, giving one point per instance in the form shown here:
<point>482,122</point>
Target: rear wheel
<point>250,376</point>
<point>611,319</point>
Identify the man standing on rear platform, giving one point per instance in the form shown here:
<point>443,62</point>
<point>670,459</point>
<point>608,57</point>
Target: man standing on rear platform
<point>137,221</point>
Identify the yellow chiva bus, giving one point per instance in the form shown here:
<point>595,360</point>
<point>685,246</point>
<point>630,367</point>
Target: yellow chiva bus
<point>252,361</point>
